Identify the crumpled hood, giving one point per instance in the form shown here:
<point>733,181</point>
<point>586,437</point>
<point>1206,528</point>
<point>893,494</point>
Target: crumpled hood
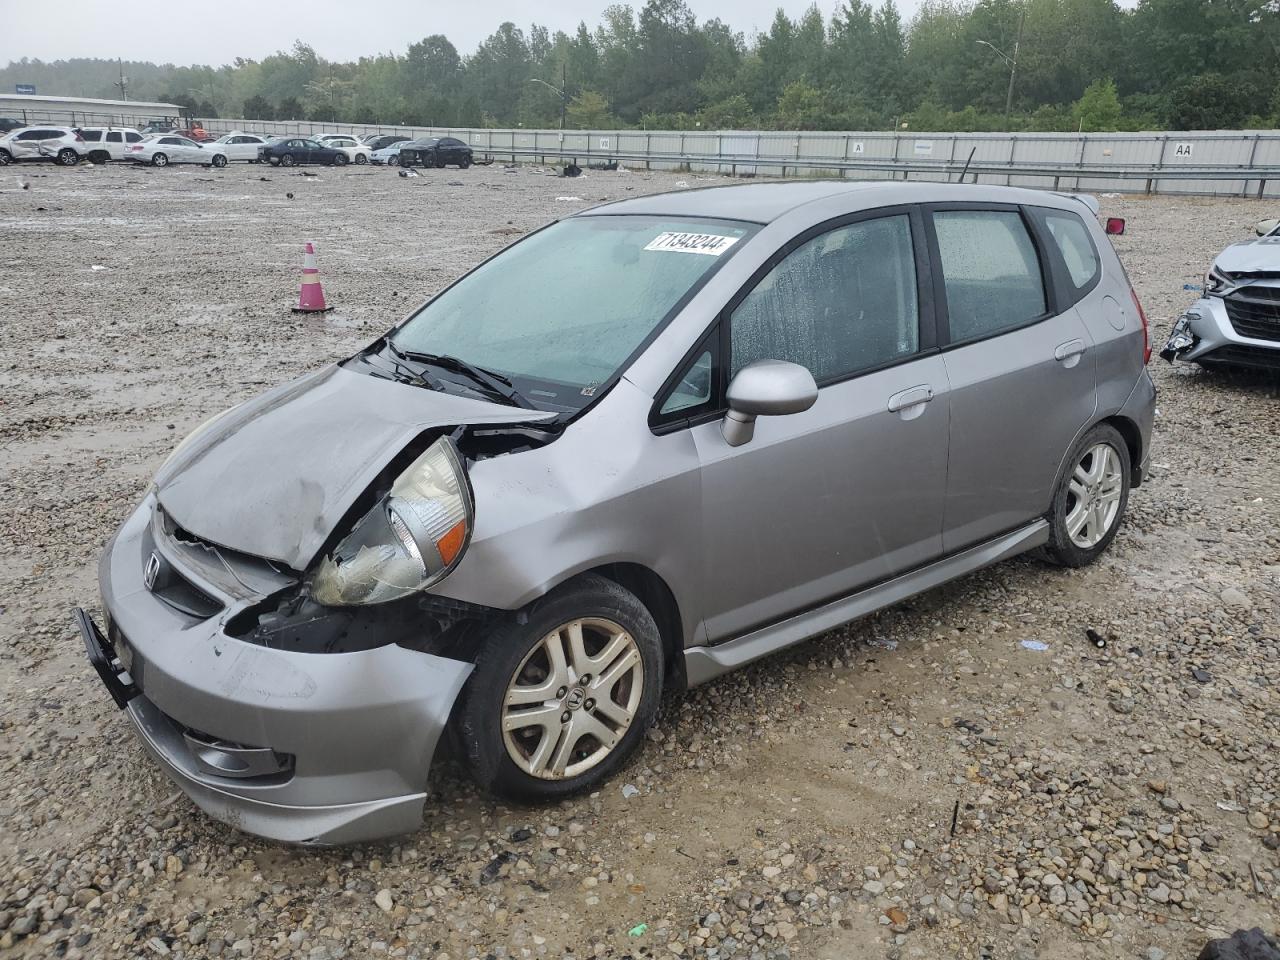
<point>275,475</point>
<point>1251,256</point>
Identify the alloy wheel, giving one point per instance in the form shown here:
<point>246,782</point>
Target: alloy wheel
<point>572,698</point>
<point>1093,496</point>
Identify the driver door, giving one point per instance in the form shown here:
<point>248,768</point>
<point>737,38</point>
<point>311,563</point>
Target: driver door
<point>850,492</point>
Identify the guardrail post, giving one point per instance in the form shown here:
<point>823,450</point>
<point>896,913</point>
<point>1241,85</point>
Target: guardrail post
<point>648,149</point>
<point>1013,148</point>
<point>1164,145</point>
<point>1080,160</point>
<point>1253,152</point>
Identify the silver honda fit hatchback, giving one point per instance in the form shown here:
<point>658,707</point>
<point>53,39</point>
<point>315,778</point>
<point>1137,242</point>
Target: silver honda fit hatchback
<point>643,446</point>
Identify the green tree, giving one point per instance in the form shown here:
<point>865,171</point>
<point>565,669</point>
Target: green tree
<point>1099,108</point>
<point>590,111</point>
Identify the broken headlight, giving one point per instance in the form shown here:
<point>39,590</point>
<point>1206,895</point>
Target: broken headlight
<point>1216,281</point>
<point>411,538</point>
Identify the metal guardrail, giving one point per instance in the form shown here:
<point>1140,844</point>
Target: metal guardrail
<point>1058,172</point>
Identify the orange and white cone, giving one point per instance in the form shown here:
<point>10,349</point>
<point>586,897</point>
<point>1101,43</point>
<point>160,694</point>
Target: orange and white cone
<point>311,294</point>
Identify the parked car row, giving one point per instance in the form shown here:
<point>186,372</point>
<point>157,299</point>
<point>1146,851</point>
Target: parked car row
<point>70,145</point>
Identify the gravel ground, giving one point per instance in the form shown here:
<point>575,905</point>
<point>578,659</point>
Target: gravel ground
<point>918,784</point>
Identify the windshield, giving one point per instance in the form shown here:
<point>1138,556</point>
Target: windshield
<point>560,312</point>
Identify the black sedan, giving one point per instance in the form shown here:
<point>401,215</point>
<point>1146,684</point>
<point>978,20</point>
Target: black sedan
<point>288,151</point>
<point>385,140</point>
<point>435,152</point>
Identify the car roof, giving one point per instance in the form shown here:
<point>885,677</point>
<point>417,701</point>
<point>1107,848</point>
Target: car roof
<point>766,202</point>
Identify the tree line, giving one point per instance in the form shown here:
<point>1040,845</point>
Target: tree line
<point>1075,64</point>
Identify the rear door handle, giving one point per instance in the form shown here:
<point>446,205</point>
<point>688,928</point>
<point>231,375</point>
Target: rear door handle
<point>1070,350</point>
<point>911,397</point>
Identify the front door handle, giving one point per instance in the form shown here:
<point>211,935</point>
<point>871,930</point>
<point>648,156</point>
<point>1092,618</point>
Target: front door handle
<point>1069,352</point>
<point>911,397</point>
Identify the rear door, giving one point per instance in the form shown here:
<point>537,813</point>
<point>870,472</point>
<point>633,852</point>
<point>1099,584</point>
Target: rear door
<point>1020,363</point>
<point>820,503</point>
<point>114,141</point>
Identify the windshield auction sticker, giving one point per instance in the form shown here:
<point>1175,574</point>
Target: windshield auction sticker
<point>708,243</point>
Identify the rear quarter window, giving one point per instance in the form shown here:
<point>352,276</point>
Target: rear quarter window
<point>1079,255</point>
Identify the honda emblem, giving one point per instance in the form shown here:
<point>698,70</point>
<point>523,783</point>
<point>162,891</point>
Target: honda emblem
<point>151,571</point>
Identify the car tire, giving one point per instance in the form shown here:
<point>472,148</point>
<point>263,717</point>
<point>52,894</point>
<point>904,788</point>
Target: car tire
<point>6,158</point>
<point>287,160</point>
<point>219,161</point>
<point>439,162</point>
<point>159,160</point>
<point>501,759</point>
<point>1090,499</point>
<point>68,157</point>
<point>340,160</point>
<point>464,163</point>
<point>361,159</point>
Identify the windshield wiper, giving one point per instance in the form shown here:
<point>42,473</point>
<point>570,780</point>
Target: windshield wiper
<point>495,382</point>
<point>402,369</point>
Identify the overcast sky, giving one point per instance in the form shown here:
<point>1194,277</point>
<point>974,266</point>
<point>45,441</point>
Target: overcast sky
<point>217,31</point>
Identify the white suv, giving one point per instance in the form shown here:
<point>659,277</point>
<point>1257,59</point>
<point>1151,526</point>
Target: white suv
<point>59,144</point>
<point>108,143</point>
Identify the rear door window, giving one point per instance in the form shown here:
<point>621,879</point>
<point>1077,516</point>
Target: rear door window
<point>133,137</point>
<point>991,272</point>
<point>115,136</point>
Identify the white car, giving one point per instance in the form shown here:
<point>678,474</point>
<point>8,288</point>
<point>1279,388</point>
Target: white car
<point>356,151</point>
<point>162,149</point>
<point>109,143</point>
<point>238,145</point>
<point>387,155</point>
<point>60,144</point>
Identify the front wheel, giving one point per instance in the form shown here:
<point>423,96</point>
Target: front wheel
<point>1091,498</point>
<point>6,158</point>
<point>287,160</point>
<point>159,160</point>
<point>68,157</point>
<point>558,703</point>
<point>219,161</point>
<point>439,162</point>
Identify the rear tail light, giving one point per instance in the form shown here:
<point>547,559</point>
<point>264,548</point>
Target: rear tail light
<point>1146,330</point>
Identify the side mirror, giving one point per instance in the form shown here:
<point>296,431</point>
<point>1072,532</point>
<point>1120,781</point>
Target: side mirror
<point>1265,227</point>
<point>766,388</point>
<point>1115,226</point>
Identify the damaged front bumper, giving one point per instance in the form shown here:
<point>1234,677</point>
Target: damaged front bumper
<point>1205,334</point>
<point>315,748</point>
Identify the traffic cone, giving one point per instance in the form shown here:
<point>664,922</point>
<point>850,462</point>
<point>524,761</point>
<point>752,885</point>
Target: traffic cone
<point>311,294</point>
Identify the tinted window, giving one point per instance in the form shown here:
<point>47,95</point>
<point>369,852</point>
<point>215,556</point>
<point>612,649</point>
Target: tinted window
<point>171,141</point>
<point>133,137</point>
<point>991,271</point>
<point>39,135</point>
<point>1072,239</point>
<point>91,136</point>
<point>115,136</point>
<point>842,302</point>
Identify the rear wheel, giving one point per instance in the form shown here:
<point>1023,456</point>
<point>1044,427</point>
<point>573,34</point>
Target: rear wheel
<point>68,157</point>
<point>558,703</point>
<point>1091,498</point>
<point>159,160</point>
<point>361,158</point>
<point>465,162</point>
